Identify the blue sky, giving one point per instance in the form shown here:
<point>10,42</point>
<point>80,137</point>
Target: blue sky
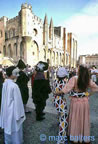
<point>58,9</point>
<point>78,16</point>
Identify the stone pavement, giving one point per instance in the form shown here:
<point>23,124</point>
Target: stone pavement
<point>49,126</point>
<point>94,116</point>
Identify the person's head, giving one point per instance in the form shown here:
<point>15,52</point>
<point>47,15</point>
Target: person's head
<point>83,78</point>
<point>62,73</point>
<point>12,72</point>
<point>41,66</point>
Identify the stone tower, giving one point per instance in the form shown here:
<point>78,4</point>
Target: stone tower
<point>45,31</point>
<point>51,32</point>
<point>26,31</point>
<point>51,29</point>
<point>51,39</point>
<point>26,19</point>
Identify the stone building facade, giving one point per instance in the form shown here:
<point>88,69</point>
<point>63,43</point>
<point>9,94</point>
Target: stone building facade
<point>27,37</point>
<point>89,60</point>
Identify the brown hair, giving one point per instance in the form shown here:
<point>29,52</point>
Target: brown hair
<point>83,78</point>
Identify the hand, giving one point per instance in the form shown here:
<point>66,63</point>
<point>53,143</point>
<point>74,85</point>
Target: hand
<point>58,92</point>
<point>55,93</point>
<point>53,99</point>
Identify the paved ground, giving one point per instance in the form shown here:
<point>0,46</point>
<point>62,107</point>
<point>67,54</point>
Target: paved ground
<point>49,126</point>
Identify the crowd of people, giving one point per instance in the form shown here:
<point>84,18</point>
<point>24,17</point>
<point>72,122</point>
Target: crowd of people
<point>74,125</point>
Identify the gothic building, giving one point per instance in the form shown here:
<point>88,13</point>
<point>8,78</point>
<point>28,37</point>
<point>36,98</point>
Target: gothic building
<point>27,37</point>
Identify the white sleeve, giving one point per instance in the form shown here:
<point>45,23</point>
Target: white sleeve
<point>18,104</point>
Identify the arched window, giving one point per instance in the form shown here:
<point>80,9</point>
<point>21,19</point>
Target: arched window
<point>4,51</point>
<point>35,50</point>
<point>54,57</point>
<point>15,49</point>
<point>44,54</point>
<point>13,32</point>
<point>60,58</point>
<point>9,51</point>
<point>35,32</point>
<point>22,50</point>
<point>49,53</point>
<point>57,57</point>
<point>9,34</point>
<point>6,35</point>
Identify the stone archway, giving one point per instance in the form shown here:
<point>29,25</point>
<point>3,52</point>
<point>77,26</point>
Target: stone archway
<point>60,58</point>
<point>4,50</point>
<point>22,44</point>
<point>49,56</point>
<point>15,49</point>
<point>10,54</point>
<point>35,51</point>
<point>54,58</point>
<point>44,54</point>
<point>62,62</point>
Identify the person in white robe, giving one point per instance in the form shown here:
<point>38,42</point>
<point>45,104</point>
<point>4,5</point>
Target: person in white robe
<point>12,113</point>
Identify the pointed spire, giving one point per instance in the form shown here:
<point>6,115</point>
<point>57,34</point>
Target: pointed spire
<point>46,19</point>
<point>51,23</point>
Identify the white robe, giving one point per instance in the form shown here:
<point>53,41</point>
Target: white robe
<point>12,113</point>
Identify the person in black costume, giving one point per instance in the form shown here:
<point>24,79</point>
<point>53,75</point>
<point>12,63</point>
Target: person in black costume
<point>41,89</point>
<point>22,82</point>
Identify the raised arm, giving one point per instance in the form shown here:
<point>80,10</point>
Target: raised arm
<point>68,87</point>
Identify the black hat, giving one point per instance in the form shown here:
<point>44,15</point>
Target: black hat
<point>9,70</point>
<point>21,64</point>
<point>41,66</point>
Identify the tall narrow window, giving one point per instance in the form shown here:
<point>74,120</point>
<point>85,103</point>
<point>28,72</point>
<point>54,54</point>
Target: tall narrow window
<point>4,51</point>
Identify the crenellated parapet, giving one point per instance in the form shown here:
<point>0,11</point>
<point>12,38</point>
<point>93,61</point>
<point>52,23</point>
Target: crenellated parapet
<point>39,20</point>
<point>26,6</point>
<point>10,21</point>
